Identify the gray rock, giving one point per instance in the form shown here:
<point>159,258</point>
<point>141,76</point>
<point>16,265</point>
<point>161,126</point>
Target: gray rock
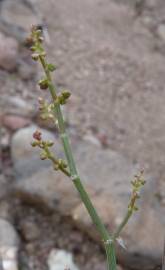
<point>48,190</point>
<point>107,176</point>
<point>3,186</point>
<point>26,158</point>
<point>8,235</point>
<point>104,169</point>
<point>5,210</point>
<point>99,169</point>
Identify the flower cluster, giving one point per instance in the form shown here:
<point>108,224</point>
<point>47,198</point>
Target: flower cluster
<point>46,109</point>
<point>137,184</point>
<point>58,164</point>
<point>44,145</point>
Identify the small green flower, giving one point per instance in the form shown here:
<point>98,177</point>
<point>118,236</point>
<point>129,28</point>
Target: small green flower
<point>43,155</point>
<point>51,67</point>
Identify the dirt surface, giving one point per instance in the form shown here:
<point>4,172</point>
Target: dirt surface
<point>41,233</point>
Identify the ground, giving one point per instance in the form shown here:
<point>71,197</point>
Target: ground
<point>110,55</point>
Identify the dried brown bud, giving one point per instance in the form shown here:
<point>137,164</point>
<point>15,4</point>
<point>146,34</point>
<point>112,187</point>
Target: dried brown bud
<point>37,135</point>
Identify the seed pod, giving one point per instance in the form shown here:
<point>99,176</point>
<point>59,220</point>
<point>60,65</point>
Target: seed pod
<point>35,56</point>
<point>34,144</point>
<point>43,155</point>
<point>56,167</point>
<point>66,94</point>
<point>33,48</point>
<point>41,39</point>
<point>43,84</point>
<point>50,143</point>
<point>51,67</point>
<point>62,163</point>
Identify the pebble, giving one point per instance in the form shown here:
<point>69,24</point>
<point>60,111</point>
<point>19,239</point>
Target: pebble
<point>9,244</point>
<point>5,137</point>
<point>14,122</point>
<point>61,260</point>
<point>161,31</point>
<point>29,230</point>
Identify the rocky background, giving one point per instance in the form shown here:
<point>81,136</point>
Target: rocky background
<point>111,55</point>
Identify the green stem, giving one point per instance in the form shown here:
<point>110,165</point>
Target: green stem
<point>109,244</point>
<point>55,161</point>
<point>123,223</point>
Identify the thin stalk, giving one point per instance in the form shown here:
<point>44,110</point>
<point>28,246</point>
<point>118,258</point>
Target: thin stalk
<point>109,244</point>
<point>55,161</point>
<point>123,223</point>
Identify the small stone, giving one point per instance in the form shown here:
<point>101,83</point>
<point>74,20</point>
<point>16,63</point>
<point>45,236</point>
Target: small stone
<point>14,122</point>
<point>5,212</point>
<point>92,139</point>
<point>5,137</point>
<point>3,186</point>
<point>61,260</point>
<point>29,230</point>
<point>8,235</point>
<point>9,244</point>
<point>161,31</point>
<point>8,53</point>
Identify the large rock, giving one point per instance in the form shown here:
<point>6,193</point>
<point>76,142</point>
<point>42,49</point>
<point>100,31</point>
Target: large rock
<point>48,190</point>
<point>99,169</point>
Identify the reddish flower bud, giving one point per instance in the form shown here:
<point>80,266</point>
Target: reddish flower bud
<point>37,135</point>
